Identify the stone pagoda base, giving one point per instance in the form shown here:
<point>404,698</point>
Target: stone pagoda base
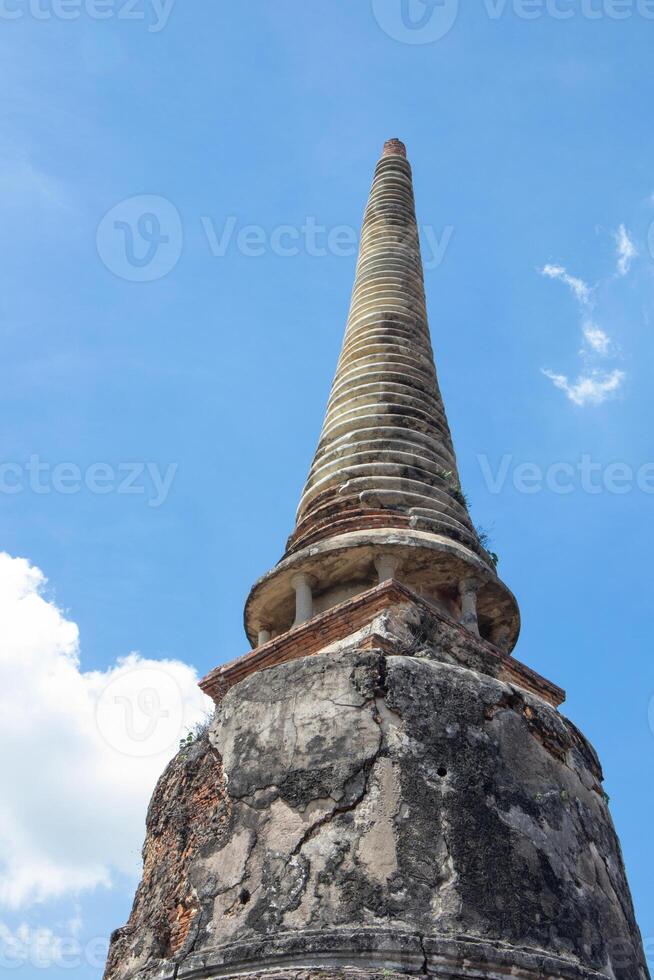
<point>403,801</point>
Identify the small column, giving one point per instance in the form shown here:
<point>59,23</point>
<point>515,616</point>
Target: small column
<point>303,598</point>
<point>263,636</point>
<point>468,589</point>
<point>386,566</point>
<point>500,638</point>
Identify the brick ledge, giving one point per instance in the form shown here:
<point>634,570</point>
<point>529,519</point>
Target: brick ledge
<point>348,617</point>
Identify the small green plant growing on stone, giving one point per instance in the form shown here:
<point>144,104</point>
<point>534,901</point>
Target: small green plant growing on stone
<point>485,542</point>
<point>455,491</point>
<point>484,537</point>
<point>195,734</point>
<point>203,726</point>
<point>454,488</point>
<point>459,496</point>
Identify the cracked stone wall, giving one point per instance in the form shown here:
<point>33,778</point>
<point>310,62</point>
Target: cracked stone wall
<point>391,814</point>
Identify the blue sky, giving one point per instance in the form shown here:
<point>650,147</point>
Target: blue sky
<point>181,398</point>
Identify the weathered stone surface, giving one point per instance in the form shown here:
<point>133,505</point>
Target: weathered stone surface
<point>379,813</point>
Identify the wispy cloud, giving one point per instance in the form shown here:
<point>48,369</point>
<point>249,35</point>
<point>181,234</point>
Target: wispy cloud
<point>592,386</point>
<point>580,289</point>
<point>596,340</point>
<point>626,250</point>
<point>588,389</point>
<point>22,183</point>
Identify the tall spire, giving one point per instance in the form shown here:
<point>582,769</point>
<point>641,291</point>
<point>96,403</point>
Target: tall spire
<point>384,485</point>
<point>385,457</point>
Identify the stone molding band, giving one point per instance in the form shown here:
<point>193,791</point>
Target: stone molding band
<point>368,952</point>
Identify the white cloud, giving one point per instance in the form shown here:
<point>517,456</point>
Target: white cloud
<point>598,341</point>
<point>589,389</point>
<point>579,288</point>
<point>626,250</point>
<point>81,750</point>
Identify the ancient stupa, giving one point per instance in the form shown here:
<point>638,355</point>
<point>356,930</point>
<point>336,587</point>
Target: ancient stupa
<point>384,790</point>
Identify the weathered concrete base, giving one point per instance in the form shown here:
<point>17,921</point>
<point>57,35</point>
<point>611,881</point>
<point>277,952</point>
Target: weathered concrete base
<point>365,812</point>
